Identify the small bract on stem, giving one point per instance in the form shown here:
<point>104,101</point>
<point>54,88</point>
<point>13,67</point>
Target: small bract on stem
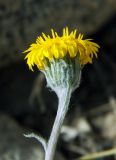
<point>61,59</point>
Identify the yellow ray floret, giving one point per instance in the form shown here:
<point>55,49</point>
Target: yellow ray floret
<point>57,47</point>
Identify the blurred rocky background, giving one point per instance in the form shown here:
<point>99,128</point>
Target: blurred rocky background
<point>27,105</point>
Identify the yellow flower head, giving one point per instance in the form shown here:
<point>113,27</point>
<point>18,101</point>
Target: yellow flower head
<point>57,47</point>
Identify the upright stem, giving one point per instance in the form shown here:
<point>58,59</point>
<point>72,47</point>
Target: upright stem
<point>64,99</point>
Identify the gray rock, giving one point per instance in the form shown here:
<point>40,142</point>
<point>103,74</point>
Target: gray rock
<point>22,20</point>
<point>13,145</point>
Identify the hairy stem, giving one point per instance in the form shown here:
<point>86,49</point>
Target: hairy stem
<point>64,99</point>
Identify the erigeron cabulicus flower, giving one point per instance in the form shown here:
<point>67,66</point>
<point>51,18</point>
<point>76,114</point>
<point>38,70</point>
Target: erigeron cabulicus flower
<point>61,59</point>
